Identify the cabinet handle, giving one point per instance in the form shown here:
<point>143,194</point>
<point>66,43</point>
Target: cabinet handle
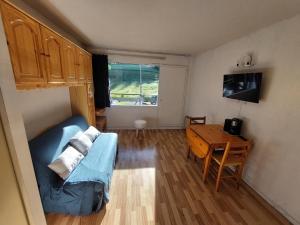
<point>44,54</point>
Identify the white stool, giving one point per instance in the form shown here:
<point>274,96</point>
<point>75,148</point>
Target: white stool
<point>140,125</point>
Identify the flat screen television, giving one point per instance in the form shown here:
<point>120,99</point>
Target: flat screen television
<point>245,86</point>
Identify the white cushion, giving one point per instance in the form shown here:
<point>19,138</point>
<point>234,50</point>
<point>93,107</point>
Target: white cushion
<point>66,162</point>
<point>81,142</point>
<point>92,133</point>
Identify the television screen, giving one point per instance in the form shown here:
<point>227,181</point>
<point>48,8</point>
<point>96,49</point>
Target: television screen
<point>245,87</point>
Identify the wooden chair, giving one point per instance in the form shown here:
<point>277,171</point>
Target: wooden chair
<point>232,156</point>
<point>193,121</point>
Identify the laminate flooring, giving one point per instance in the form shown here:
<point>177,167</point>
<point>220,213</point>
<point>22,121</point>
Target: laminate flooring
<point>154,183</point>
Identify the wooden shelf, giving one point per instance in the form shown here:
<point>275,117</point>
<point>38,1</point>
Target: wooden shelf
<point>101,123</point>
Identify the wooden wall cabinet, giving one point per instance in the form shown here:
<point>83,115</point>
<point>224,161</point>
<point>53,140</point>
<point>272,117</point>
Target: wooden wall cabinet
<point>91,103</point>
<point>69,61</point>
<point>53,56</point>
<point>82,102</point>
<point>89,70</point>
<point>80,65</point>
<point>39,55</point>
<point>82,96</point>
<point>25,46</point>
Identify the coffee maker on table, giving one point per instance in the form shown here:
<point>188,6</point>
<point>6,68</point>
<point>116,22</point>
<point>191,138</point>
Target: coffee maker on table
<point>233,126</point>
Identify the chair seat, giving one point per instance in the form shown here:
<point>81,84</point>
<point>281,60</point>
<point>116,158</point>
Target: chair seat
<point>231,161</point>
<point>140,124</point>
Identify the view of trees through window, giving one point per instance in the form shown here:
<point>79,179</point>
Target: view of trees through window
<point>133,84</point>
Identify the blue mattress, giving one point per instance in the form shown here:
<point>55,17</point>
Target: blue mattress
<point>86,189</point>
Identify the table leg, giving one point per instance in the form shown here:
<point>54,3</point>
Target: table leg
<point>188,152</point>
<point>207,164</point>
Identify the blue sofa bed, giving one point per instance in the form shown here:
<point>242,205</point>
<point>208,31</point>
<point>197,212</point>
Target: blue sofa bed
<point>86,189</point>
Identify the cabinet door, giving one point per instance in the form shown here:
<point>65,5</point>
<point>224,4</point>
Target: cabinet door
<point>91,104</point>
<point>80,68</point>
<point>25,46</point>
<point>53,50</point>
<point>89,70</point>
<point>69,62</point>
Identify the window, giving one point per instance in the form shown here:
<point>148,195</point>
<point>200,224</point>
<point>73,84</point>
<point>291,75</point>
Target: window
<point>133,84</point>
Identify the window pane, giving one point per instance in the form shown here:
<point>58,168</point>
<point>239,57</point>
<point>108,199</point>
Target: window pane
<point>150,78</point>
<point>133,84</point>
<point>124,84</point>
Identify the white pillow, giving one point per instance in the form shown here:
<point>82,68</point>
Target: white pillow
<point>66,162</point>
<point>81,142</point>
<point>92,133</point>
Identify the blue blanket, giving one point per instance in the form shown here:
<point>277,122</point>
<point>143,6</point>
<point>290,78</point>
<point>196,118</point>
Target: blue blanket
<point>86,189</point>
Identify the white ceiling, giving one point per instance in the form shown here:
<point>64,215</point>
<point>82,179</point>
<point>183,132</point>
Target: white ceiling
<point>167,26</point>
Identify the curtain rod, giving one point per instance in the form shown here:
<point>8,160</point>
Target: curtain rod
<point>139,55</point>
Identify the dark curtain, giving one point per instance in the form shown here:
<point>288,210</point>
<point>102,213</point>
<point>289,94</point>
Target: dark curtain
<point>101,81</point>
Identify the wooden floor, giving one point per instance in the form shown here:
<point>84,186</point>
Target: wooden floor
<point>153,183</point>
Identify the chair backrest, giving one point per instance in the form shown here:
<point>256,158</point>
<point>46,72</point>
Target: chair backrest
<point>238,152</point>
<point>195,120</point>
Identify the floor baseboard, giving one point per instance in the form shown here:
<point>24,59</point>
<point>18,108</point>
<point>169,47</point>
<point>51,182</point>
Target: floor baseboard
<point>148,128</point>
<point>281,218</point>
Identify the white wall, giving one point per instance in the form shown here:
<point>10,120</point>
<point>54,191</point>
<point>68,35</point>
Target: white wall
<point>124,116</point>
<point>13,212</point>
<point>274,123</point>
<point>43,108</point>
